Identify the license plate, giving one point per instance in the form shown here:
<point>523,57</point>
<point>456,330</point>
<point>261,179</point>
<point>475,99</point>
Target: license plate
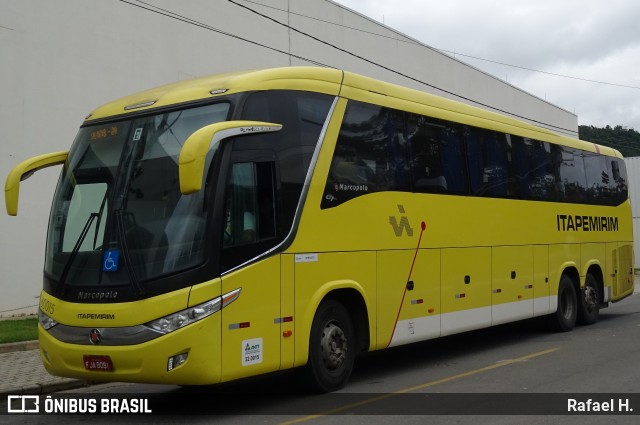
<point>99,363</point>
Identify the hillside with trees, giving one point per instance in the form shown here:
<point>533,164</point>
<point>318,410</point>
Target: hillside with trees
<point>626,140</point>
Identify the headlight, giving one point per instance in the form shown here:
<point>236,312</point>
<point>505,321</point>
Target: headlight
<point>183,318</point>
<point>45,321</point>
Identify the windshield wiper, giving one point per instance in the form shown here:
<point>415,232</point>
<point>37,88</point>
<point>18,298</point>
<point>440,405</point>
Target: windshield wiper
<point>74,252</point>
<point>125,252</point>
<point>95,234</point>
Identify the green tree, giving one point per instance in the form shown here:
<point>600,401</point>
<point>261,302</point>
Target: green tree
<point>626,140</point>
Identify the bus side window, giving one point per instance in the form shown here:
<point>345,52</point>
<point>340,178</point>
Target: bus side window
<point>249,214</point>
<point>598,181</point>
<point>534,176</point>
<point>489,159</point>
<point>568,164</point>
<point>437,161</point>
<point>522,162</point>
<point>370,155</point>
<point>619,172</point>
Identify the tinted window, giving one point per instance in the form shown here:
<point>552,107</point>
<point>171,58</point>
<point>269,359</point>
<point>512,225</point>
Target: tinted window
<point>370,155</point>
<point>250,212</point>
<point>490,167</point>
<point>534,174</point>
<point>619,174</point>
<point>380,149</point>
<point>302,115</point>
<point>568,165</point>
<point>598,178</point>
<point>250,203</point>
<point>437,163</point>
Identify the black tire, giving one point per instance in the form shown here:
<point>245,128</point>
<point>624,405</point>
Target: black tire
<point>331,348</point>
<point>564,319</point>
<point>589,305</point>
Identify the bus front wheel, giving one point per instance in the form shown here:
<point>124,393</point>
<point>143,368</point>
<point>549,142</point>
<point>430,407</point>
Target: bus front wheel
<point>331,347</point>
<point>564,319</point>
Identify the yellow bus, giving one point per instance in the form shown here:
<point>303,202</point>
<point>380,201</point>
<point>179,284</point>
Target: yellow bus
<point>245,223</point>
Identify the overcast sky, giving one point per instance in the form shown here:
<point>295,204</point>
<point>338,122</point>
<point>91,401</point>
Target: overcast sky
<point>585,39</point>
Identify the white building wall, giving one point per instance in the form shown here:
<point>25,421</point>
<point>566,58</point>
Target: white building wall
<point>60,59</point>
<point>633,176</point>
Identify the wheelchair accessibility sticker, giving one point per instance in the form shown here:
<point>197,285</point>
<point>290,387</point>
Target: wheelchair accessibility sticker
<point>110,260</point>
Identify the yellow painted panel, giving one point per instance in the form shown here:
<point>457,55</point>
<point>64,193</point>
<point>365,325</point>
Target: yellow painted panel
<point>611,272</point>
<point>541,279</point>
<point>400,302</point>
<point>624,284</point>
<point>250,331</point>
<point>466,279</point>
<point>204,292</point>
<point>592,254</point>
<point>561,257</point>
<point>512,271</point>
<point>512,283</point>
<point>287,310</point>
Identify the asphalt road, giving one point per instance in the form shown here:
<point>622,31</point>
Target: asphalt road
<point>517,373</point>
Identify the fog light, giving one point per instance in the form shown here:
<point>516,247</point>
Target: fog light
<point>176,361</point>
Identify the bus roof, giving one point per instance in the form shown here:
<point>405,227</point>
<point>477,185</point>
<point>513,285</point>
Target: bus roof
<point>333,82</point>
<point>322,80</point>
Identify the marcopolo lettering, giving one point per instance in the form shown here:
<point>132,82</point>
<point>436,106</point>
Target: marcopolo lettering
<point>586,223</point>
<point>351,187</point>
<point>97,296</point>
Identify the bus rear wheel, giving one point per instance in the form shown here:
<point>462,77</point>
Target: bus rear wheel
<point>564,319</point>
<point>331,347</point>
<point>589,310</point>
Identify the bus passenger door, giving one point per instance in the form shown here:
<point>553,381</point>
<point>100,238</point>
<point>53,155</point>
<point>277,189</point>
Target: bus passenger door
<point>408,296</point>
<point>250,326</point>
<point>466,289</point>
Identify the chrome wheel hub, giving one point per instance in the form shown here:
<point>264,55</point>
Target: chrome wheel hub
<point>334,346</point>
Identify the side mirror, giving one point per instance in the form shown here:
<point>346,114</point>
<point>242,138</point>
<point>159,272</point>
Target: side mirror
<point>195,148</point>
<point>23,171</point>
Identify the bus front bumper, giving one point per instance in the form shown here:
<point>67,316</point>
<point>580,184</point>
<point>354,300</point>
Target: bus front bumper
<point>156,361</point>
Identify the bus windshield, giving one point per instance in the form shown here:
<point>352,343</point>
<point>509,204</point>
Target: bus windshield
<point>118,217</point>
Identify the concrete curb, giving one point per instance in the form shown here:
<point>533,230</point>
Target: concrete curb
<point>40,389</point>
<point>19,346</point>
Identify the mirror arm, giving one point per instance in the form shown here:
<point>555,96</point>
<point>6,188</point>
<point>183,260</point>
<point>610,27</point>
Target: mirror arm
<point>194,150</point>
<point>23,171</point>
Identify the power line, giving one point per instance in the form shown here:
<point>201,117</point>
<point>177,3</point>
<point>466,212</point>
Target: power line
<point>158,10</point>
<point>539,71</point>
<point>400,73</point>
<point>449,52</point>
<point>176,16</point>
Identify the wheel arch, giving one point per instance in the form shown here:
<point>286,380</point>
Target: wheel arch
<point>357,308</point>
<point>352,296</point>
<point>595,270</point>
<point>572,272</point>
